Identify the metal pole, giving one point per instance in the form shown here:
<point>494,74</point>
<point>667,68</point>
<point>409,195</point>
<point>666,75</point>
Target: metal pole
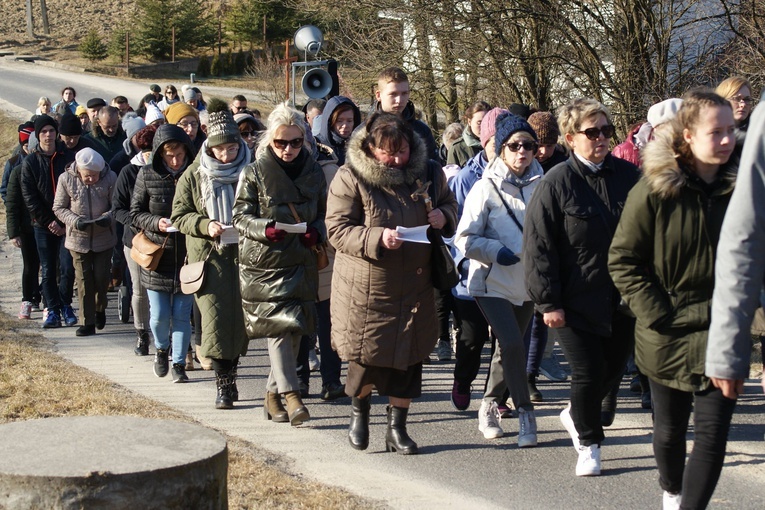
<point>127,52</point>
<point>173,51</point>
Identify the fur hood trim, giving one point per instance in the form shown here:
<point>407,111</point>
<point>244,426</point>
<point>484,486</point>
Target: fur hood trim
<point>662,172</point>
<point>375,174</point>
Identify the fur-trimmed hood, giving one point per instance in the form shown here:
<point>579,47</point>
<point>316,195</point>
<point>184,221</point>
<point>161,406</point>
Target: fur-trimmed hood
<point>662,171</point>
<point>375,174</point>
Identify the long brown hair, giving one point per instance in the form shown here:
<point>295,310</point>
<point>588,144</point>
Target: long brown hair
<point>694,101</point>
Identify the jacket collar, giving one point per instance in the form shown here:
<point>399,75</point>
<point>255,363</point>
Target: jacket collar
<point>375,174</point>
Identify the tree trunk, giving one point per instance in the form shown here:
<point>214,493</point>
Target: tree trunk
<point>30,22</point>
<point>425,64</point>
<point>44,9</point>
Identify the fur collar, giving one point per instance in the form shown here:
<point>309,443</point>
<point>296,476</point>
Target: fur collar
<point>662,172</point>
<point>375,174</point>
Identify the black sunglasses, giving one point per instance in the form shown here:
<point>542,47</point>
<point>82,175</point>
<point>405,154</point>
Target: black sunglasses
<point>295,143</point>
<point>528,146</point>
<point>594,133</point>
<point>247,134</point>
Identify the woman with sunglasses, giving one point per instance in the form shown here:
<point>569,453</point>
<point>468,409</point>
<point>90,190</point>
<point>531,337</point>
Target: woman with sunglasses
<point>171,97</point>
<point>278,271</point>
<point>490,234</point>
<point>738,91</point>
<point>569,226</point>
<point>250,130</point>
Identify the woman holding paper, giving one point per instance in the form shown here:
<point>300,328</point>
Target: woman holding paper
<point>203,210</point>
<point>382,308</point>
<point>278,270</point>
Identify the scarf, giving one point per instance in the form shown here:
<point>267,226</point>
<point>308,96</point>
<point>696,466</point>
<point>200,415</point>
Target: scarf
<point>338,143</point>
<point>595,167</point>
<point>294,167</point>
<point>217,182</point>
<point>470,139</point>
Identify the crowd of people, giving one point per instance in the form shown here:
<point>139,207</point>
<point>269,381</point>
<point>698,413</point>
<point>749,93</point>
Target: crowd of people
<point>301,225</point>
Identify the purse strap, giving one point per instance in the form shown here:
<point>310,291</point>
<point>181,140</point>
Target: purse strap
<point>507,207</point>
<point>294,212</point>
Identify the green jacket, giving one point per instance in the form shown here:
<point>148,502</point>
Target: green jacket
<point>219,300</point>
<point>662,261</point>
<point>279,280</point>
<point>464,149</point>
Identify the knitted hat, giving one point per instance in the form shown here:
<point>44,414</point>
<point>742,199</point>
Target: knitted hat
<point>155,88</point>
<point>546,127</point>
<point>132,124</point>
<point>221,127</point>
<point>664,111</point>
<point>25,130</point>
<point>96,102</point>
<point>80,110</point>
<point>246,117</point>
<point>488,126</point>
<point>152,113</point>
<point>176,111</point>
<point>189,95</point>
<point>70,125</point>
<point>44,120</point>
<point>88,159</point>
<point>508,124</point>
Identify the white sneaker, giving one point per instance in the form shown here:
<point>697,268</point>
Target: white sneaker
<point>527,432</point>
<point>568,423</point>
<point>314,365</point>
<point>589,461</point>
<point>671,501</point>
<point>489,420</point>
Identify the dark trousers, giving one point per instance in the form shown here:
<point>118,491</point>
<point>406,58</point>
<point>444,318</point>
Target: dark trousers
<point>472,336</point>
<point>596,363</point>
<point>51,252</point>
<point>535,340</point>
<point>92,271</point>
<point>303,369</point>
<point>330,361</point>
<point>712,413</point>
<point>30,281</point>
<point>444,307</point>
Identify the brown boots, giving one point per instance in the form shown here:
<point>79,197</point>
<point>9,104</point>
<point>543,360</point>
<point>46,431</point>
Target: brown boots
<point>298,413</point>
<point>273,408</point>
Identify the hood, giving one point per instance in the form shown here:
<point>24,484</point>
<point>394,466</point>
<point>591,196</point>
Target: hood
<point>325,129</point>
<point>662,171</point>
<point>498,170</point>
<point>169,133</point>
<point>407,114</point>
<point>375,174</point>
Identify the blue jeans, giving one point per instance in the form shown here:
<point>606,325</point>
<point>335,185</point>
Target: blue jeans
<point>171,310</point>
<point>50,248</point>
<point>535,341</point>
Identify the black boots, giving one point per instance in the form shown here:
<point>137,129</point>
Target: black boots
<point>396,438</point>
<point>224,381</point>
<point>534,394</point>
<point>358,431</point>
<point>142,343</point>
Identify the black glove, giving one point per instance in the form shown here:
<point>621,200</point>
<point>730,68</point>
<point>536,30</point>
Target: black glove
<point>506,258</point>
<point>104,221</point>
<point>80,224</point>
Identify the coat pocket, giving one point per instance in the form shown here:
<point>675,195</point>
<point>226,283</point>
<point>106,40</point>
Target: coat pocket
<point>582,224</point>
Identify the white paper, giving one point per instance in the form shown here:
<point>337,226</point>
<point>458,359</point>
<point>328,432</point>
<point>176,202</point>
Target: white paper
<point>230,235</point>
<point>414,234</point>
<point>297,228</point>
<point>171,229</point>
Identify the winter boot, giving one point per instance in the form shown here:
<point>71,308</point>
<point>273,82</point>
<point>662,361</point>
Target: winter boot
<point>396,438</point>
<point>358,431</point>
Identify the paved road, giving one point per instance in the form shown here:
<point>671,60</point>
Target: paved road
<point>457,468</point>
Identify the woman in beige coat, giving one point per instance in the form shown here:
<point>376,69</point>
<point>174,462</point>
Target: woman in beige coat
<point>383,311</point>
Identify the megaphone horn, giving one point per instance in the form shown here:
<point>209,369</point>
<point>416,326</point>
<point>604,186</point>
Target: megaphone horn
<point>317,83</point>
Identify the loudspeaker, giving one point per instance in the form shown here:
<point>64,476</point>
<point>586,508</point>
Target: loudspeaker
<point>309,39</point>
<point>317,83</point>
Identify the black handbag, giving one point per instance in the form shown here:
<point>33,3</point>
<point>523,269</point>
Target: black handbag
<point>443,270</point>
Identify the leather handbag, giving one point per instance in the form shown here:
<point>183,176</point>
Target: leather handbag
<point>320,249</point>
<point>146,253</point>
<point>192,275</point>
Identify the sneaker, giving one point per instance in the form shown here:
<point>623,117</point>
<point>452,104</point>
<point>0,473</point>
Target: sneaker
<point>161,363</point>
<point>671,501</point>
<point>333,391</point>
<point>444,350</point>
<point>460,396</point>
<point>100,320</point>
<point>589,461</point>
<point>179,373</point>
<point>527,432</point>
<point>314,365</point>
<point>550,368</point>
<point>25,312</point>
<point>68,314</point>
<point>37,306</point>
<point>52,320</point>
<point>489,420</point>
<point>86,330</point>
<point>141,343</point>
<point>568,424</point>
<point>534,394</point>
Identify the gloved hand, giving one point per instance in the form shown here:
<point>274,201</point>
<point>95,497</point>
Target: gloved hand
<point>104,221</point>
<point>505,257</point>
<point>274,234</point>
<point>310,238</point>
<point>80,224</point>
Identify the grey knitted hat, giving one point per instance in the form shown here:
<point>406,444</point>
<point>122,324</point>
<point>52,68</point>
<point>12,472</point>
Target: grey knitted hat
<point>221,127</point>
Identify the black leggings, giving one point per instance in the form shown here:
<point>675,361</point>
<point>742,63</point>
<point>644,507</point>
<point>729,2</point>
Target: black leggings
<point>711,421</point>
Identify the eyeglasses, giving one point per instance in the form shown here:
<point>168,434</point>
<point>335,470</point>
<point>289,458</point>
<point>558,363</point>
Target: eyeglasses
<point>248,134</point>
<point>593,133</point>
<point>527,146</point>
<point>741,99</point>
<point>282,144</point>
<point>184,125</point>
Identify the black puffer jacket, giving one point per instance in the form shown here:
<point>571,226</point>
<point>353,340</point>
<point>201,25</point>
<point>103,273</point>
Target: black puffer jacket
<point>121,199</point>
<point>569,224</point>
<point>153,200</point>
<point>39,177</point>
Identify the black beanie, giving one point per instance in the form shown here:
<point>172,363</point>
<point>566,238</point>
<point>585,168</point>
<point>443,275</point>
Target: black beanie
<point>44,120</point>
<point>70,125</point>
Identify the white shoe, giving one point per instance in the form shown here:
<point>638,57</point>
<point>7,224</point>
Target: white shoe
<point>489,420</point>
<point>671,501</point>
<point>527,432</point>
<point>314,365</point>
<point>589,461</point>
<point>568,423</point>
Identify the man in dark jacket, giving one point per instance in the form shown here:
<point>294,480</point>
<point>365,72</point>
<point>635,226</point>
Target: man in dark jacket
<point>106,134</point>
<point>39,177</point>
<point>70,132</point>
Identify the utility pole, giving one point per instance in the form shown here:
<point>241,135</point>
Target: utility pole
<point>46,27</point>
<point>30,22</point>
<point>173,45</point>
<point>127,52</point>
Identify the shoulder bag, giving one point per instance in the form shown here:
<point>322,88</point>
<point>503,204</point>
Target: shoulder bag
<point>320,249</point>
<point>193,275</point>
<point>146,253</point>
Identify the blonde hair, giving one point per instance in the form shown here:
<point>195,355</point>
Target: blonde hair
<point>282,116</point>
<point>43,100</point>
<point>730,86</point>
<point>572,115</point>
